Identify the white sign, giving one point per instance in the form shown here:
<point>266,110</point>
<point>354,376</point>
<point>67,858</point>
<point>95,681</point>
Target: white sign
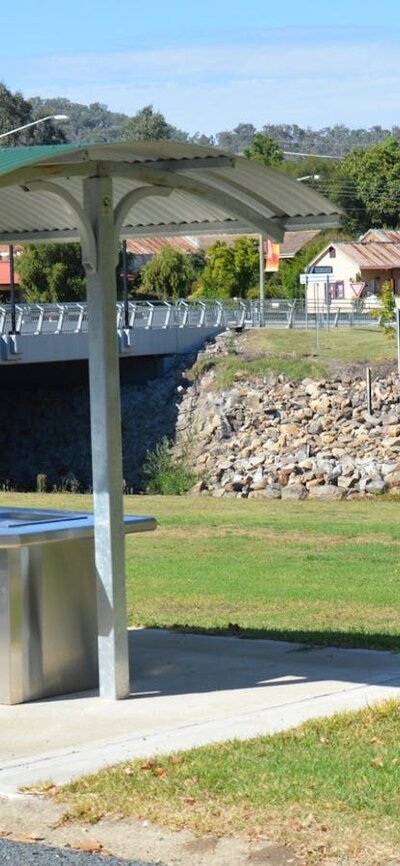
<point>316,278</point>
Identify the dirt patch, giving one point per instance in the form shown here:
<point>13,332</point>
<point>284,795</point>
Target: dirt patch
<point>35,819</point>
<point>347,370</point>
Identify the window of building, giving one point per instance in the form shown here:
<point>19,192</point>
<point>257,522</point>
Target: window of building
<point>337,290</point>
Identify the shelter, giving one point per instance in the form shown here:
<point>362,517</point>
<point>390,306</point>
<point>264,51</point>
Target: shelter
<point>97,194</point>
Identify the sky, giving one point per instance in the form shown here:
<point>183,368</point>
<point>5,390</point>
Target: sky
<point>208,66</point>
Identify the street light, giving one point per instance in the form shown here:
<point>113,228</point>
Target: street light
<point>309,177</point>
<point>319,155</point>
<point>34,123</point>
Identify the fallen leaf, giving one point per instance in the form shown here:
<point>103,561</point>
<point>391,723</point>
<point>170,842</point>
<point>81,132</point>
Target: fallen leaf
<point>308,820</point>
<point>128,771</point>
<point>190,800</point>
<point>377,762</point>
<point>23,837</point>
<point>160,772</point>
<point>87,845</point>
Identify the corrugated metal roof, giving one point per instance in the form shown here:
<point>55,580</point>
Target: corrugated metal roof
<point>379,256</point>
<point>152,246</point>
<point>193,190</point>
<point>381,236</point>
<point>293,242</point>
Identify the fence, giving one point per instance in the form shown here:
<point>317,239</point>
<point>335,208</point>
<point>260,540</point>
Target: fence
<point>73,318</point>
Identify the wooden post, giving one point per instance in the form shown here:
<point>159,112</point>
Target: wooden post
<point>369,391</point>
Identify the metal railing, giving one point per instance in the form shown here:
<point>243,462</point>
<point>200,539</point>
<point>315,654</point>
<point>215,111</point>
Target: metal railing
<point>72,318</point>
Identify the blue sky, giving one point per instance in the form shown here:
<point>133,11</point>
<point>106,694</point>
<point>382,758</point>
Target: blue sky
<point>211,65</point>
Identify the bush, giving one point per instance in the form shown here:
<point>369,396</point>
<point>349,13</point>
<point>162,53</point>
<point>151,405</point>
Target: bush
<point>165,474</point>
<point>387,311</point>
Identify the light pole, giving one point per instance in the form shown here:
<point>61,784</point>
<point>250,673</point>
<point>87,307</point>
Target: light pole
<point>34,123</point>
<point>262,279</point>
<point>309,177</point>
<point>11,248</point>
<point>319,155</point>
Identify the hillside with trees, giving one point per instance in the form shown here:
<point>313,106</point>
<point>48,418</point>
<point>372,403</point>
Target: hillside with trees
<point>96,122</point>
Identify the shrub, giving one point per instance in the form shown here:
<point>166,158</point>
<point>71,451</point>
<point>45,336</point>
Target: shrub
<point>386,313</point>
<point>165,474</point>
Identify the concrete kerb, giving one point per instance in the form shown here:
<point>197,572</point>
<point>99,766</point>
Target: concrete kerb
<point>187,691</point>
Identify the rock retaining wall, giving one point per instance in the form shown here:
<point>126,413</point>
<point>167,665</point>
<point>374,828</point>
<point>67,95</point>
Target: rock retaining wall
<point>274,438</point>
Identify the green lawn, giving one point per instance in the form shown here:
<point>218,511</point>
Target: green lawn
<point>296,353</point>
<point>325,573</point>
<point>336,344</point>
<point>310,572</point>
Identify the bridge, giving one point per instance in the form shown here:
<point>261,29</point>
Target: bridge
<point>44,333</point>
<point>49,333</point>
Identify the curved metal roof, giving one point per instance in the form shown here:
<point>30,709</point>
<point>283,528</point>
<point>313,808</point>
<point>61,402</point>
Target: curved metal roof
<point>96,193</point>
<point>159,188</point>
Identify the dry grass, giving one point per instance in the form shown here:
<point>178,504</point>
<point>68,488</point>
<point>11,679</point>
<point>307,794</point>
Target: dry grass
<point>328,789</point>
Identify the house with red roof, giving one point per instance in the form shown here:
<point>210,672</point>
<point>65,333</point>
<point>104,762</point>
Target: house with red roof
<point>347,272</point>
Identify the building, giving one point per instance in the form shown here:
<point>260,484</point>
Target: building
<point>5,274</point>
<point>349,273</point>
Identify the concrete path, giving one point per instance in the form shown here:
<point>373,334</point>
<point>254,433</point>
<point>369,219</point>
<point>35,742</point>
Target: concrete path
<point>188,690</point>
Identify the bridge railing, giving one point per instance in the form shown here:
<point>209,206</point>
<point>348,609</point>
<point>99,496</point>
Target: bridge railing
<point>72,318</point>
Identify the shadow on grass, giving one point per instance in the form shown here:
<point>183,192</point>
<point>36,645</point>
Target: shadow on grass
<point>309,637</point>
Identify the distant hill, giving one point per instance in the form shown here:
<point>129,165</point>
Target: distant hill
<point>96,122</point>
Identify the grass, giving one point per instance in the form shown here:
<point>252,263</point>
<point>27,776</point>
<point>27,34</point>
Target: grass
<point>352,345</point>
<point>319,573</point>
<point>327,788</point>
<point>295,354</point>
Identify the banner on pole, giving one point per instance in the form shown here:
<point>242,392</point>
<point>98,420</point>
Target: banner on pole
<point>272,256</point>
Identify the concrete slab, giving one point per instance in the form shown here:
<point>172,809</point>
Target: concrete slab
<point>188,690</point>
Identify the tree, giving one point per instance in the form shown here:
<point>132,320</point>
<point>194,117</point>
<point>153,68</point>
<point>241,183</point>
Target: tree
<point>218,277</point>
<point>150,125</point>
<point>52,272</point>
<point>16,111</point>
<point>169,275</point>
<point>85,123</point>
<point>265,150</point>
<point>247,266</point>
<point>368,185</point>
<point>230,272</point>
<point>237,139</point>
